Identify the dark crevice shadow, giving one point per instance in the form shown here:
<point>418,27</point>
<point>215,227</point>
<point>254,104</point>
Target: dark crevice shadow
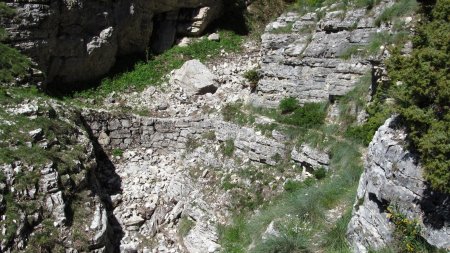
<point>436,208</point>
<point>382,204</point>
<point>104,183</point>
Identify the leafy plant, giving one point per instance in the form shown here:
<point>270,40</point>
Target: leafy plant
<point>288,105</point>
<point>320,173</point>
<point>422,92</point>
<point>117,152</point>
<point>228,147</point>
<point>307,116</point>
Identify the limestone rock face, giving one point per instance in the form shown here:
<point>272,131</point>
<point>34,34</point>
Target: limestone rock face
<point>303,56</point>
<point>393,176</point>
<point>195,78</point>
<point>80,40</point>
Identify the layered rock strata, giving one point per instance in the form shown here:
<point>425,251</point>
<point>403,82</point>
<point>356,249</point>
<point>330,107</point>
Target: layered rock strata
<point>305,56</point>
<point>394,177</point>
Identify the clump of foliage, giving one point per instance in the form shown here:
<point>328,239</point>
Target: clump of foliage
<point>117,152</point>
<point>307,116</point>
<point>320,173</point>
<point>288,105</point>
<point>398,9</point>
<point>423,94</point>
<point>12,63</point>
<point>228,147</point>
<point>252,76</point>
<point>407,232</point>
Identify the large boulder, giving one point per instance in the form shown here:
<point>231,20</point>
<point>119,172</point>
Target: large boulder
<point>195,78</point>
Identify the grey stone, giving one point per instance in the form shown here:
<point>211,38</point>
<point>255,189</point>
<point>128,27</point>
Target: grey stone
<point>393,176</point>
<point>310,157</point>
<point>195,78</point>
<point>214,37</point>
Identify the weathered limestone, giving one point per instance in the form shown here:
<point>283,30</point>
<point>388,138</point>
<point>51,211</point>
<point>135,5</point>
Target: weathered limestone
<point>302,56</point>
<point>80,40</point>
<point>194,78</point>
<point>393,176</point>
<point>310,157</point>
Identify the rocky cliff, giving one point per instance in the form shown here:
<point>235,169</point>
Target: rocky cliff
<point>394,178</point>
<point>80,40</point>
<point>306,56</point>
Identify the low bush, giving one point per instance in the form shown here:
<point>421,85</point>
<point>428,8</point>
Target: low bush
<point>228,147</point>
<point>320,173</point>
<point>308,116</point>
<point>288,105</point>
<point>422,92</point>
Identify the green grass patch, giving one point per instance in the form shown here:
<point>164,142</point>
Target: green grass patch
<point>288,105</point>
<point>235,113</point>
<point>306,203</point>
<point>185,225</point>
<point>399,9</point>
<point>13,64</point>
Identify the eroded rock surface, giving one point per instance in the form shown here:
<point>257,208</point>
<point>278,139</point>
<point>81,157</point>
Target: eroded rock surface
<point>80,40</point>
<point>394,177</point>
<point>304,57</point>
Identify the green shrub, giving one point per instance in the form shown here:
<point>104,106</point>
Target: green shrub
<point>288,105</point>
<point>117,152</point>
<point>228,147</point>
<point>308,116</point>
<point>423,91</point>
<point>320,173</point>
<point>407,233</point>
<point>252,76</point>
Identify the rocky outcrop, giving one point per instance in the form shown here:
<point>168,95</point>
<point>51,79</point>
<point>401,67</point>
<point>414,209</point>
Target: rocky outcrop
<point>310,158</point>
<point>393,177</point>
<point>80,40</point>
<point>303,56</point>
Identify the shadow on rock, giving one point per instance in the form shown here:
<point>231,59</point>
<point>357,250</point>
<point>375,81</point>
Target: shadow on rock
<point>436,208</point>
<point>104,183</point>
